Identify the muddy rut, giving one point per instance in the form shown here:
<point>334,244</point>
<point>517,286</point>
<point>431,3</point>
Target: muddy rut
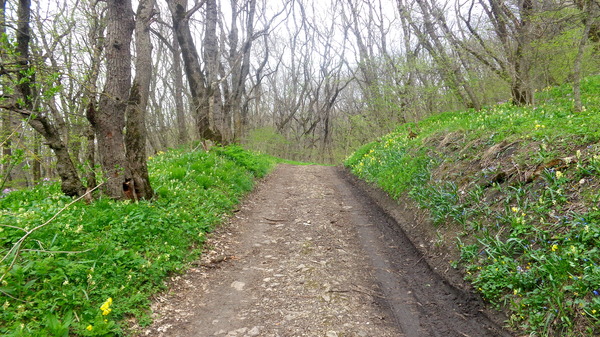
<point>310,254</point>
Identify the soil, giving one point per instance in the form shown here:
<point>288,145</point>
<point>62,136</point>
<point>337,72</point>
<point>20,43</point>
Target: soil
<point>311,252</point>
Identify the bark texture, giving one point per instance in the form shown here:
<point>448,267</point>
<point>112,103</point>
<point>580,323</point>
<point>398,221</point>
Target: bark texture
<point>135,138</point>
<point>5,134</point>
<point>238,88</point>
<point>109,120</point>
<point>178,90</point>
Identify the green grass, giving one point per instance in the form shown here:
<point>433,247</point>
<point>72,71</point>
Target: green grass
<point>120,250</point>
<point>295,162</point>
<point>529,230</point>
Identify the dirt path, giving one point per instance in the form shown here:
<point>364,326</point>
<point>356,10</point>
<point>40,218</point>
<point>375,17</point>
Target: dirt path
<point>309,255</point>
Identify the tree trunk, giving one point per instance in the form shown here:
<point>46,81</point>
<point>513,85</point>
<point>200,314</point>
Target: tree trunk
<point>90,154</point>
<point>36,165</point>
<point>109,120</point>
<point>590,11</point>
<point>178,92</point>
<point>71,185</point>
<point>516,41</point>
<point>135,138</point>
<point>5,135</point>
<point>451,71</point>
<point>213,64</point>
<point>96,33</point>
<point>239,86</point>
<point>193,71</point>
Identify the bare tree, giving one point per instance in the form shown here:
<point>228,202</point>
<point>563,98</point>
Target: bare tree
<point>512,27</point>
<point>195,76</point>
<point>23,104</point>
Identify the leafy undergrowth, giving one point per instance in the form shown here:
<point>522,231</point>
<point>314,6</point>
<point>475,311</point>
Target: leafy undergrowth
<point>522,186</point>
<point>96,265</point>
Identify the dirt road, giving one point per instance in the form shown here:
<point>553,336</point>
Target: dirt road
<point>309,254</point>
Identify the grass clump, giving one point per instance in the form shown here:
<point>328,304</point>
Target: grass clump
<point>96,265</point>
<point>518,188</point>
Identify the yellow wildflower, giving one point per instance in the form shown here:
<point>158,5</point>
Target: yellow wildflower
<point>554,248</point>
<point>106,306</point>
<point>559,174</point>
<point>89,327</point>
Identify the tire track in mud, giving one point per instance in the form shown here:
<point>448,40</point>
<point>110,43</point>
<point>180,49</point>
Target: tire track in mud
<point>422,302</point>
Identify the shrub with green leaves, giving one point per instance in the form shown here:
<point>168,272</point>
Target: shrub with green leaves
<point>96,264</point>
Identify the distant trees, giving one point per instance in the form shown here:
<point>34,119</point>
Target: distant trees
<point>508,38</point>
<point>91,82</point>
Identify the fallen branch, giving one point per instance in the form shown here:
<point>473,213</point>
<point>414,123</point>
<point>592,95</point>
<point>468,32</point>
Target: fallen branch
<point>273,220</point>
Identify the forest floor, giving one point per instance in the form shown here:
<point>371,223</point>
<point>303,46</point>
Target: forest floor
<point>309,253</point>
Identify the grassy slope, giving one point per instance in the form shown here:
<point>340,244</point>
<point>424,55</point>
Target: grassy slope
<point>124,250</point>
<point>521,184</point>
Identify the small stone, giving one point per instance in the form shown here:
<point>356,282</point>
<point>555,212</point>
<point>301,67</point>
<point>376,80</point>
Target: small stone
<point>331,334</point>
<point>253,332</point>
<point>237,285</point>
